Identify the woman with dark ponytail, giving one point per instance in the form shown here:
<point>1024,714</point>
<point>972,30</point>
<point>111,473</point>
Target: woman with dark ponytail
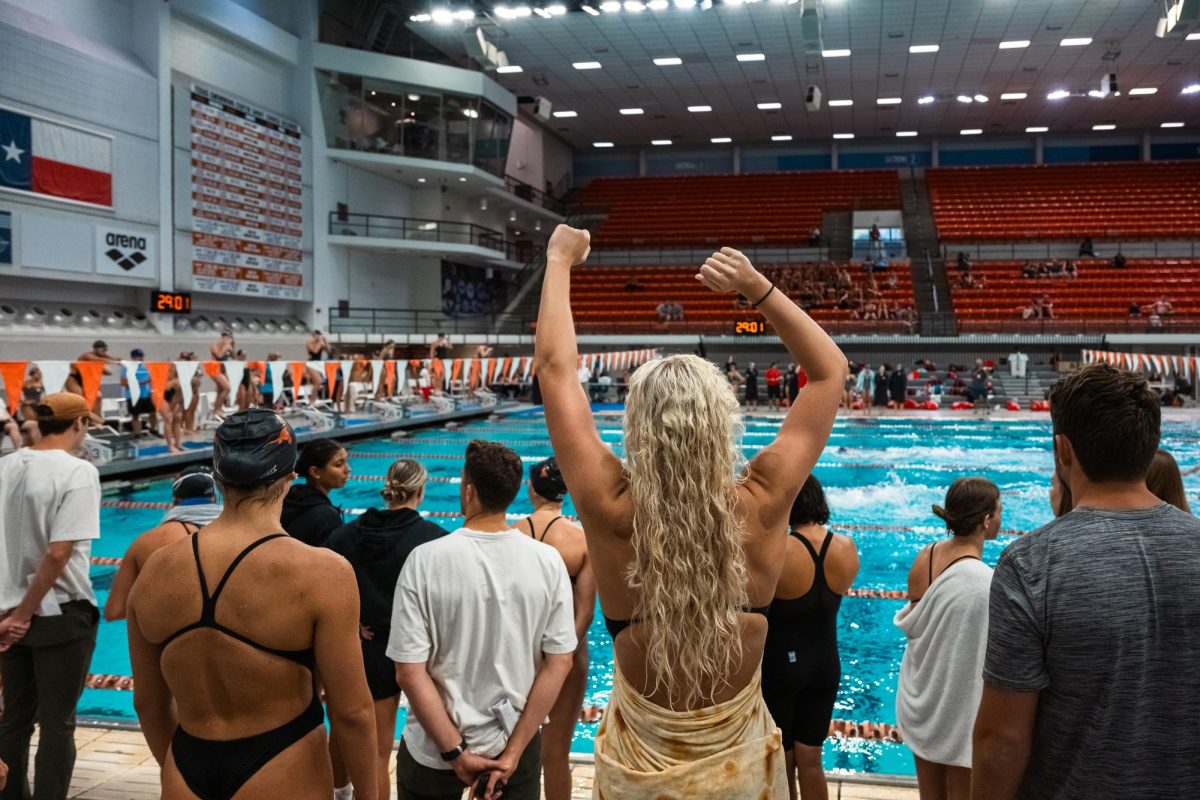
<point>946,622</point>
<point>308,513</point>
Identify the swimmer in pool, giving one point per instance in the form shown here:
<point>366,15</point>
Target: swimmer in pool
<point>227,631</point>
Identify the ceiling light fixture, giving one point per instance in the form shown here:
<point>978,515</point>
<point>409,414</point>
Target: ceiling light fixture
<point>970,132</point>
<point>699,109</point>
<point>924,48</point>
<point>906,134</point>
<point>1082,41</point>
<point>658,5</point>
<point>888,101</point>
<point>557,10</point>
<point>1104,127</point>
<point>981,98</point>
<point>843,136</point>
<point>1013,96</point>
<point>965,98</point>
<point>1037,129</point>
<point>541,12</point>
<point>422,17</point>
<point>1097,93</point>
<point>632,112</point>
<point>420,180</point>
<point>926,100</point>
<point>672,61</point>
<point>1017,44</point>
<point>634,6</point>
<point>685,5</point>
<point>840,103</point>
<point>462,180</point>
<point>1193,37</point>
<point>590,10</point>
<point>511,69</point>
<point>781,138</point>
<point>1193,89</point>
<point>834,53</point>
<point>744,57</point>
<point>1058,95</point>
<point>442,16</point>
<point>602,144</point>
<point>565,114</point>
<point>1144,90</point>
<point>769,106</point>
<point>721,140</point>
<point>660,142</point>
<point>1171,125</point>
<point>582,65</point>
<point>610,6</point>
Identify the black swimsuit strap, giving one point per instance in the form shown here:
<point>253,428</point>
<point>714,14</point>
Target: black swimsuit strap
<point>931,547</point>
<point>532,535</point>
<point>187,526</point>
<point>546,529</point>
<point>211,600</point>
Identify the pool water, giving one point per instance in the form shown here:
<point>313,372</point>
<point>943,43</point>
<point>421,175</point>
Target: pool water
<point>881,477</point>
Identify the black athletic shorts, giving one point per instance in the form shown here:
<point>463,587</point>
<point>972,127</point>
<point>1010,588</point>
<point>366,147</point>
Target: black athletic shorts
<point>144,405</point>
<point>803,713</point>
<point>773,392</point>
<point>381,670</point>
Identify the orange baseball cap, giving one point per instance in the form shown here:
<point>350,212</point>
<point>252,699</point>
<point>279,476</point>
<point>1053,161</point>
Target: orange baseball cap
<point>65,406</point>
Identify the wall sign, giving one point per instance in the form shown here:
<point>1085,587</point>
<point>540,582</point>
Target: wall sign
<point>126,252</point>
<point>247,199</point>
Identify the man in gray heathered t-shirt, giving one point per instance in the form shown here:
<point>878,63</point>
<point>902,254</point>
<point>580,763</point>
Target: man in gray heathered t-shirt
<point>1092,674</point>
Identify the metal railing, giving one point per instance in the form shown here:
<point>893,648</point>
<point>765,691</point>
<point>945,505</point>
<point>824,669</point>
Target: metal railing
<point>532,194</point>
<point>428,230</point>
<point>676,256</point>
<point>1104,248</point>
<point>1175,324</point>
<point>418,320</point>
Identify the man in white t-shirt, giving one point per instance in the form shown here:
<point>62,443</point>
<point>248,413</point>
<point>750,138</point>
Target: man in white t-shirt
<point>483,635</point>
<point>49,513</point>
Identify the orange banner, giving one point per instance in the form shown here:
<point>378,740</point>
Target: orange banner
<point>331,373</point>
<point>212,368</point>
<point>260,367</point>
<point>437,367</point>
<point>160,376</point>
<point>456,370</point>
<point>389,380</point>
<point>13,373</point>
<point>92,373</point>
<point>297,380</point>
<point>473,380</point>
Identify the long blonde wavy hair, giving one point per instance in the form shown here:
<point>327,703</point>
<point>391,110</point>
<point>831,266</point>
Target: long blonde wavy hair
<point>683,432</point>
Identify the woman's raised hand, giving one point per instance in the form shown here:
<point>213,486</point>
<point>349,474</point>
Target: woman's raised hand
<point>728,270</point>
<point>568,246</point>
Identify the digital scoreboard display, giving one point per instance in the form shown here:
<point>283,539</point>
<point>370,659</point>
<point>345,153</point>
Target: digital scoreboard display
<point>749,327</point>
<point>171,302</point>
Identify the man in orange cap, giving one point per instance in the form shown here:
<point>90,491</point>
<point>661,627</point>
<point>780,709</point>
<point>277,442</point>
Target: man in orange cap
<point>49,515</point>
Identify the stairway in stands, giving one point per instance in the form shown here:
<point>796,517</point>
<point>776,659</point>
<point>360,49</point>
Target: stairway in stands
<point>528,298</point>
<point>837,234</point>
<point>1032,387</point>
<point>928,266</point>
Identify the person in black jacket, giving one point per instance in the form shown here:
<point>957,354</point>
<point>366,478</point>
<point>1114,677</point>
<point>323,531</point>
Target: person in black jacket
<point>898,386</point>
<point>377,544</point>
<point>308,514</point>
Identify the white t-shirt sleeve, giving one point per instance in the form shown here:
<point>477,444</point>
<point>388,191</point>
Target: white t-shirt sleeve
<point>559,636</point>
<point>77,517</point>
<point>410,641</point>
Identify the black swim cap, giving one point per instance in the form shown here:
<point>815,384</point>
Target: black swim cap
<point>195,481</point>
<point>253,448</point>
<point>547,480</point>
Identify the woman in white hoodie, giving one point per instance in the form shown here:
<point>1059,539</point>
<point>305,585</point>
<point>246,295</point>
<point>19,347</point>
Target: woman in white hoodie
<point>946,622</point>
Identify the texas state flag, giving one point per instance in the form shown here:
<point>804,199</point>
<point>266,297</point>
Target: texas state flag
<point>46,158</point>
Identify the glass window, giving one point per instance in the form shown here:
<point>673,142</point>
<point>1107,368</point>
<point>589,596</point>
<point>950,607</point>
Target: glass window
<point>461,113</point>
<point>341,99</point>
<point>421,126</point>
<point>491,139</point>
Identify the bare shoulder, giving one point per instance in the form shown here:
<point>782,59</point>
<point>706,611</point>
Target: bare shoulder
<point>918,575</point>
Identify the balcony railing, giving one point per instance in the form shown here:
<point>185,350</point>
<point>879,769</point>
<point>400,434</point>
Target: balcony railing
<point>417,320</point>
<point>428,230</point>
<point>531,194</point>
<point>1174,324</point>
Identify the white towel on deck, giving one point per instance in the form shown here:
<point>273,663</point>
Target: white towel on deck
<point>941,674</point>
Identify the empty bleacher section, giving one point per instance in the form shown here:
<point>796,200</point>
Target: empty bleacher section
<point>1143,201</point>
<point>1098,301</point>
<point>602,303</point>
<point>736,210</point>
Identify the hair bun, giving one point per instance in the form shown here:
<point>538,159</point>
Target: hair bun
<point>940,513</point>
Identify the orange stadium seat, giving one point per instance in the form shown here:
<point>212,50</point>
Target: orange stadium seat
<point>694,211</point>
<point>1068,202</point>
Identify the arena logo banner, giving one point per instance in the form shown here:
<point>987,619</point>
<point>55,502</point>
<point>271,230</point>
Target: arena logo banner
<point>54,160</point>
<point>468,290</point>
<point>6,238</point>
<point>247,199</point>
<point>126,253</point>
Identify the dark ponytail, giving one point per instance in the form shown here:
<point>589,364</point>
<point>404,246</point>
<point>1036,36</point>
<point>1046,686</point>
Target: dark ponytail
<point>968,502</point>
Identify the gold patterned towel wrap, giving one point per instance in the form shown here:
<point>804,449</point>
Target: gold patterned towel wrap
<point>730,751</point>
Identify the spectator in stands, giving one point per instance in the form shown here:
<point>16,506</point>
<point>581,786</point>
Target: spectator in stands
<point>1031,310</point>
<point>1047,307</point>
<point>1155,322</point>
<point>741,302</point>
<point>814,237</point>
<point>1057,268</point>
<point>1029,270</point>
<point>1163,307</point>
<point>664,311</point>
<point>964,262</point>
<point>632,284</point>
<point>1134,309</point>
<point>1086,248</point>
<point>1118,261</point>
<point>1072,272</point>
<point>145,402</point>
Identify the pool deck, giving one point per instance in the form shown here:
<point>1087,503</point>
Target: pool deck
<point>117,765</point>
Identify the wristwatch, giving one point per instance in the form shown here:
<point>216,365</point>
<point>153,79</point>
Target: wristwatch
<point>450,755</point>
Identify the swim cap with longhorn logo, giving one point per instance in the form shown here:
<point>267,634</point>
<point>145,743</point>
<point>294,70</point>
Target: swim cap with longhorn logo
<point>253,448</point>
